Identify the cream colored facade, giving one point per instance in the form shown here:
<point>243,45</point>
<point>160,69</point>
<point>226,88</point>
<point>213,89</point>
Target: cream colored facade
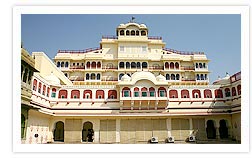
<point>131,90</point>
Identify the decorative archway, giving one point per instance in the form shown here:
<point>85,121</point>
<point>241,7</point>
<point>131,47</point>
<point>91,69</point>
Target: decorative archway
<point>58,133</point>
<point>223,130</point>
<point>87,132</point>
<point>211,131</point>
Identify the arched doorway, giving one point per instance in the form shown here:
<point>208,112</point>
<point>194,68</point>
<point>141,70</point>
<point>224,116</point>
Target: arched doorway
<point>223,130</point>
<point>22,126</point>
<point>58,133</point>
<point>87,132</point>
<point>211,131</point>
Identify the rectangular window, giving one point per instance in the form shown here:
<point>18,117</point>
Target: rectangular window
<point>162,93</point>
<point>144,94</point>
<point>112,97</point>
<point>62,96</point>
<point>87,96</point>
<point>39,90</point>
<point>136,94</point>
<point>74,96</point>
<point>152,94</point>
<point>126,93</point>
<point>99,97</point>
<point>122,49</point>
<point>53,95</point>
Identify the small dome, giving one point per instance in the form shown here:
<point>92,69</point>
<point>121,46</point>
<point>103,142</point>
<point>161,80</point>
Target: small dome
<point>52,79</point>
<point>121,25</point>
<point>142,25</point>
<point>160,78</point>
<point>125,77</point>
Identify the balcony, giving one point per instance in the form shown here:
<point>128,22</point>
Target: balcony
<point>109,37</point>
<point>188,80</point>
<point>154,38</point>
<point>77,67</point>
<point>187,68</point>
<point>80,51</point>
<point>156,67</point>
<point>104,67</point>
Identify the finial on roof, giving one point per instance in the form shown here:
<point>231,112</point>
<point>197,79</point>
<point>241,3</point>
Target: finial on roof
<point>132,19</point>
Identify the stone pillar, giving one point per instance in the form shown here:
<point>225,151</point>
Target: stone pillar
<point>118,128</point>
<point>168,126</point>
<point>190,126</point>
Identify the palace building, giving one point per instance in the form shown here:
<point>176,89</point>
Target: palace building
<point>131,89</point>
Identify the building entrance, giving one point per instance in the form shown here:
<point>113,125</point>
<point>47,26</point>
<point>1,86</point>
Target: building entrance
<point>58,132</point>
<point>87,132</point>
<point>211,131</point>
<point>223,130</point>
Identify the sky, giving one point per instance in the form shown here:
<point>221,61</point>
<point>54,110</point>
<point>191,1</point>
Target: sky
<point>217,35</point>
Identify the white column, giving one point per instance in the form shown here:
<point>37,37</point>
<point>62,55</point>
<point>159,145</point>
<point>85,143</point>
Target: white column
<point>69,93</point>
<point>118,128</point>
<point>168,126</point>
<point>190,125</point>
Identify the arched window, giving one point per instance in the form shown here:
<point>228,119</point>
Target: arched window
<point>184,93</point>
<point>197,65</point>
<point>200,65</point>
<point>122,32</point>
<point>87,132</point>
<point>173,93</point>
<point>66,64</point>
<point>87,94</point>
<point>121,65</point>
<point>63,94</point>
<point>62,64</point>
<point>126,92</point>
<point>22,69</point>
<point>137,32</point>
<point>167,76</point>
<point>171,65</point>
<point>75,94</point>
<point>205,76</point>
<point>161,92</point>
<point>136,92</point>
<point>133,65</point>
<point>143,33</point>
<point>58,64</point>
<point>177,77</point>
<point>172,77</point>
<point>98,77</point>
<point>233,91</point>
<point>127,33</point>
<point>92,76</point>
<point>198,77</point>
<point>166,65</point>
<point>227,92</point>
<point>152,92</point>
<point>120,76</point>
<point>201,77</point>
<point>144,92</point>
<point>144,65</point>
<point>177,65</point>
<point>112,94</point>
<point>98,64</point>
<point>207,93</point>
<point>204,65</point>
<point>39,87</point>
<point>196,93</point>
<point>25,75</point>
<point>88,65</point>
<point>87,76</point>
<point>218,93</point>
<point>138,65</point>
<point>34,84</point>
<point>48,91</point>
<point>44,89</point>
<point>239,89</point>
<point>132,32</point>
<point>93,65</point>
<point>99,94</point>
<point>127,65</point>
<point>29,77</point>
<point>53,95</point>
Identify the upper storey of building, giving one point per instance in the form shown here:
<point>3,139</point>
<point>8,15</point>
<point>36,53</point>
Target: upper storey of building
<point>130,51</point>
